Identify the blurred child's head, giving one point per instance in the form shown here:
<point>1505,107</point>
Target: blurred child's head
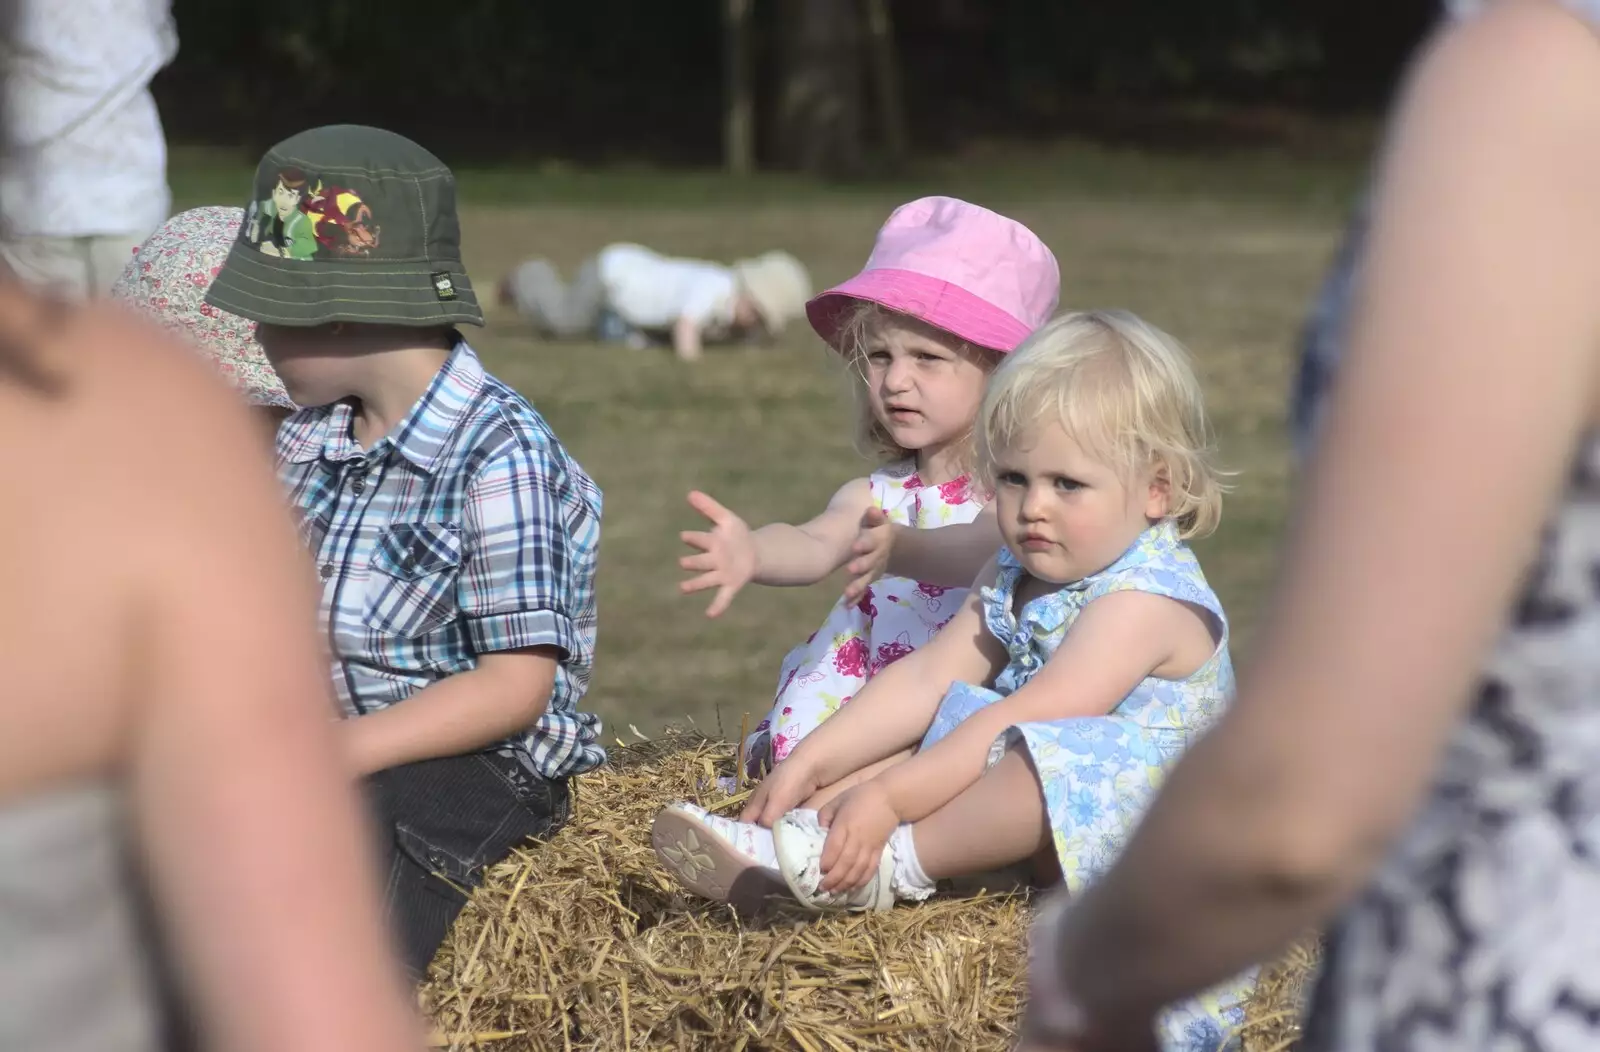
<point>773,290</point>
<point>371,261</point>
<point>168,278</point>
<point>1090,433</point>
<point>948,290</point>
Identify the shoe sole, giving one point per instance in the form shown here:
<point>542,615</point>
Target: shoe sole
<point>708,865</point>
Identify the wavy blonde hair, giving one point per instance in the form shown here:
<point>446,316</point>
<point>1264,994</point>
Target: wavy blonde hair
<point>1125,392</point>
<point>861,324</point>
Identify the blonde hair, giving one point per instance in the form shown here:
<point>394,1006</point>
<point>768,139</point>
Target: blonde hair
<point>865,320</point>
<point>1125,392</point>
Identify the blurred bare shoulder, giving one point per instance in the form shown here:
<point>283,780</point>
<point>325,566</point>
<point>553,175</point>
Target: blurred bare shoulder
<point>143,481</point>
<point>139,376</point>
<point>1511,52</point>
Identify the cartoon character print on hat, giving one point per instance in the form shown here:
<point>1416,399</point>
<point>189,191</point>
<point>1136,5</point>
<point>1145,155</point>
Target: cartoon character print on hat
<point>305,217</point>
<point>277,225</point>
<point>342,221</point>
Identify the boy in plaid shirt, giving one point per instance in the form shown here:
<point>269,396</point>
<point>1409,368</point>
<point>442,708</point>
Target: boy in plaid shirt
<point>455,538</point>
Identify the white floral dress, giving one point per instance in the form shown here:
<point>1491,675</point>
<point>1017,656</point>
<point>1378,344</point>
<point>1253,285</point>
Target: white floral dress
<point>1099,773</point>
<point>858,640</point>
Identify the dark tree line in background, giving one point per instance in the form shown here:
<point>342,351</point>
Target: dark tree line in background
<point>827,86</point>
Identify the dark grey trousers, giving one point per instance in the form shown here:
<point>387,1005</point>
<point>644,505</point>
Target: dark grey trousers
<point>440,822</point>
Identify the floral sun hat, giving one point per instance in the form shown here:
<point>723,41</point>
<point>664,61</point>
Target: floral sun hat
<point>168,278</point>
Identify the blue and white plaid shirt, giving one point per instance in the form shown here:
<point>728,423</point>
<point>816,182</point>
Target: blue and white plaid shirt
<point>468,529</point>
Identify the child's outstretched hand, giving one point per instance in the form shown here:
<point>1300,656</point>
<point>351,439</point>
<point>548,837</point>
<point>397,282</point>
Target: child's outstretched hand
<point>728,554</point>
<point>859,822</point>
<point>870,551</point>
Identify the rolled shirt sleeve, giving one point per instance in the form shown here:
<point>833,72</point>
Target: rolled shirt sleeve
<point>516,584</point>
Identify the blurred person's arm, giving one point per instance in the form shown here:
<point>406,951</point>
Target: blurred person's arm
<point>686,339</point>
<point>1470,379</point>
<point>706,296</point>
<point>248,817</point>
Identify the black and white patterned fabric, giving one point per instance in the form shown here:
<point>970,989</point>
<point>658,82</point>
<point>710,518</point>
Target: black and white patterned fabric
<point>1482,928</point>
<point>1481,931</point>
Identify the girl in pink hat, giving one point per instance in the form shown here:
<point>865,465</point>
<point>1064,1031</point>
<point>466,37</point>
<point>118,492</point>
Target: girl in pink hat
<point>950,288</point>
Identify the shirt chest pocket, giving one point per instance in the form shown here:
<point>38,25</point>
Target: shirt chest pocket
<point>411,589</point>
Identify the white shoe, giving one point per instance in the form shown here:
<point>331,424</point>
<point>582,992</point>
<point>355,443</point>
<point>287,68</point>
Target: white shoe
<point>708,864</point>
<point>799,837</point>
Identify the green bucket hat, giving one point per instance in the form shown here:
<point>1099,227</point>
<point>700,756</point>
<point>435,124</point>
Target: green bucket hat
<point>349,223</point>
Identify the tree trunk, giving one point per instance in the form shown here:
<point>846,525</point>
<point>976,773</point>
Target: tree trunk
<point>885,68</point>
<point>738,133</point>
<point>820,100</point>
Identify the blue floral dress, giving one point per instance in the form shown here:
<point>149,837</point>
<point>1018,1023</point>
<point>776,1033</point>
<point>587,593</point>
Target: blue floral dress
<point>1099,773</point>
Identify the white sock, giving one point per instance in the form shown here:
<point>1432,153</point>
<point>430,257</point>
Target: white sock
<point>750,840</point>
<point>910,882</point>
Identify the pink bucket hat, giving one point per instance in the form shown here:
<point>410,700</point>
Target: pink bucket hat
<point>956,266</point>
<point>167,279</point>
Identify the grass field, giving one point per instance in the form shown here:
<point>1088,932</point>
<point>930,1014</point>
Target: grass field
<point>1223,253</point>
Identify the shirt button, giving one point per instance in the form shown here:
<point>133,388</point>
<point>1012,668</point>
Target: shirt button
<point>358,485</point>
<point>326,571</point>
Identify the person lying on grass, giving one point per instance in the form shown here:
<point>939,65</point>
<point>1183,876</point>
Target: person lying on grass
<point>636,294</point>
<point>1102,650</point>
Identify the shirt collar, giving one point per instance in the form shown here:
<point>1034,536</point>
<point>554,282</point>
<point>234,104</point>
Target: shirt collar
<point>420,437</point>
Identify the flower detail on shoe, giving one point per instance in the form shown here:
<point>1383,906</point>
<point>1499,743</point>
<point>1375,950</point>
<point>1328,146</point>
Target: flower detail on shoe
<point>689,856</point>
<point>718,858</point>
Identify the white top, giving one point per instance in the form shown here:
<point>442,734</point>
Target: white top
<point>650,291</point>
<point>86,153</point>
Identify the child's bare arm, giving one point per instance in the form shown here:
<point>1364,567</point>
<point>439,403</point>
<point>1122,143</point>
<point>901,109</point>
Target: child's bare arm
<point>949,556</point>
<point>732,554</point>
<point>1116,641</point>
<point>506,693</point>
<point>891,713</point>
<point>805,554</point>
<point>686,339</point>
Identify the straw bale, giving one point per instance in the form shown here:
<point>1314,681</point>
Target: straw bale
<point>585,942</point>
